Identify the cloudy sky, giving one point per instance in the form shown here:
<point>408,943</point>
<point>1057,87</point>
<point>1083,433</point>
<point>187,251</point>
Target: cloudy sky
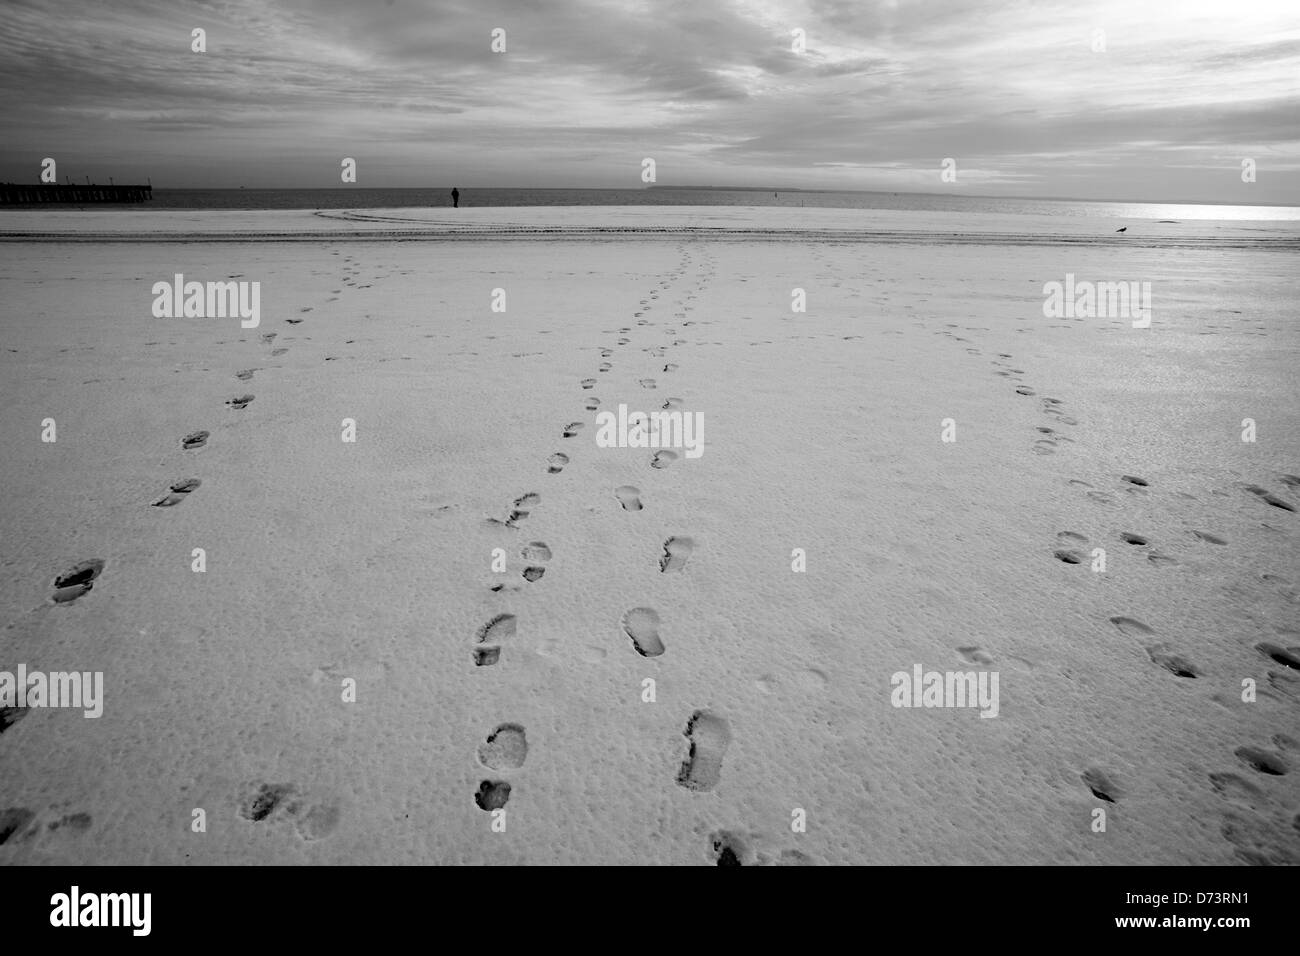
<point>712,90</point>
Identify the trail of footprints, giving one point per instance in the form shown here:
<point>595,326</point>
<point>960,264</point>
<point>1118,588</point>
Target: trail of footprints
<point>180,489</point>
<point>1136,488</point>
<point>1252,817</point>
<point>1250,826</point>
<point>259,802</point>
<point>1054,408</point>
<point>707,735</point>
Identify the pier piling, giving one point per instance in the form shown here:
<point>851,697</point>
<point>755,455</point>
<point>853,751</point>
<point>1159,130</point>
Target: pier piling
<point>19,194</point>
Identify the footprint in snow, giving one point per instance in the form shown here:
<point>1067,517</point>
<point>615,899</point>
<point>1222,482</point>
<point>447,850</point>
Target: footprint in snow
<point>641,624</point>
<point>677,550</point>
<point>709,736</point>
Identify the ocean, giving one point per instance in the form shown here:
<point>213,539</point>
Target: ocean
<point>352,198</point>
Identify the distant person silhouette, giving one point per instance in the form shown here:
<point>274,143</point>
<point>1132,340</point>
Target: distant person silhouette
<point>455,197</point>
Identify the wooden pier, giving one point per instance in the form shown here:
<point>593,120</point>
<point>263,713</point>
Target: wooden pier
<point>16,194</point>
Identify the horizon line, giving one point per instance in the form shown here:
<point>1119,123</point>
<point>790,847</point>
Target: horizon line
<point>757,189</point>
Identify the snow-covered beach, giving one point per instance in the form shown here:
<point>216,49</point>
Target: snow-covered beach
<point>920,468</point>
